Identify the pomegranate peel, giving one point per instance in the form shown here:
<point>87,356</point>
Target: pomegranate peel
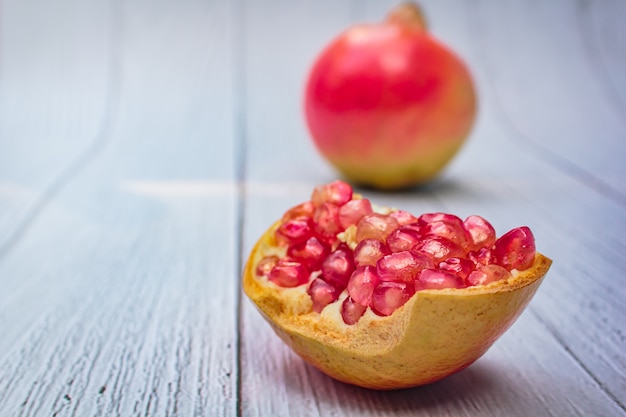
<point>431,335</point>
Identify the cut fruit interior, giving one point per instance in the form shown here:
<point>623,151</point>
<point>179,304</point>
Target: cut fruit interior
<point>383,299</point>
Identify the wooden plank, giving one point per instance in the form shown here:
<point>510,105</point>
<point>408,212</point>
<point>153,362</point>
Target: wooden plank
<point>119,298</point>
<point>550,362</point>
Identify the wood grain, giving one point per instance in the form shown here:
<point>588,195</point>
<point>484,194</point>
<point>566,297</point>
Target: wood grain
<point>119,297</point>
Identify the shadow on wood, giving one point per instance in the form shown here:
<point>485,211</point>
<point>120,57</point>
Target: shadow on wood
<point>480,381</point>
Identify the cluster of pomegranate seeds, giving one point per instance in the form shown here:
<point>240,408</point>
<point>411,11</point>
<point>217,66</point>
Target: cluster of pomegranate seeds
<point>336,242</point>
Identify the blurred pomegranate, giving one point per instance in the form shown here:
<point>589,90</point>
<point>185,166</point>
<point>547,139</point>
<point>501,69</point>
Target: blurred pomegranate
<point>387,104</point>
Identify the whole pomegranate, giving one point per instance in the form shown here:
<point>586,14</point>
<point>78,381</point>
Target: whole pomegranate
<point>387,104</point>
<point>384,299</point>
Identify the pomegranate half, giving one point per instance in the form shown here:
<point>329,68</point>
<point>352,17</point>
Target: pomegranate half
<point>424,302</point>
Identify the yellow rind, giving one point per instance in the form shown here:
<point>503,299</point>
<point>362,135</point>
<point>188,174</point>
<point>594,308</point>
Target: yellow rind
<point>400,174</point>
<point>436,333</point>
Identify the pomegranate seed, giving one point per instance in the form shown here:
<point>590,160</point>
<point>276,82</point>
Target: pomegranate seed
<point>515,249</point>
<point>454,232</point>
<point>486,274</point>
<point>362,283</point>
<point>351,212</point>
<point>289,274</point>
<point>459,266</point>
<point>338,267</point>
<point>305,209</point>
<point>326,221</point>
<point>416,227</point>
<point>403,238</point>
<point>322,294</point>
<point>437,279</point>
<point>439,249</point>
<point>402,266</point>
<point>293,231</point>
<point>375,226</point>
<point>403,217</point>
<point>311,252</point>
<point>481,232</point>
<point>483,256</point>
<point>396,254</point>
<point>351,311</point>
<point>265,265</point>
<point>337,192</point>
<point>426,218</point>
<point>369,251</point>
<point>389,296</point>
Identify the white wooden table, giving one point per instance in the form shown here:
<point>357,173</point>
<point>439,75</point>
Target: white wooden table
<point>145,145</point>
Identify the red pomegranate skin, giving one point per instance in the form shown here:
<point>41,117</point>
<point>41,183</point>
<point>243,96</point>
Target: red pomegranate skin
<point>387,104</point>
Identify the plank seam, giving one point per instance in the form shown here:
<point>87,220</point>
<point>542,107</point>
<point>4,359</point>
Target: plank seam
<point>240,159</point>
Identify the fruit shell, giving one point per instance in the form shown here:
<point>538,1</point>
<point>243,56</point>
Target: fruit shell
<point>436,333</point>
